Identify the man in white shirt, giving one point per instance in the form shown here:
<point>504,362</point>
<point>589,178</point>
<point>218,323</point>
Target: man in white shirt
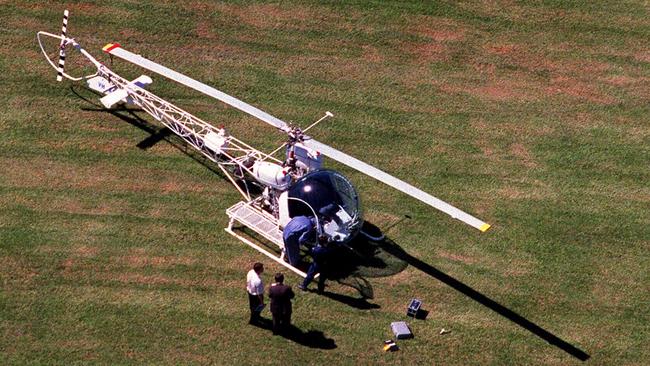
<point>255,289</point>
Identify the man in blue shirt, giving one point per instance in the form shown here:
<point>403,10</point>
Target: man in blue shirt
<point>299,231</point>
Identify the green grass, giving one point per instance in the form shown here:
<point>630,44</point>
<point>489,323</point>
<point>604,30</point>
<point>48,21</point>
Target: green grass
<point>531,115</point>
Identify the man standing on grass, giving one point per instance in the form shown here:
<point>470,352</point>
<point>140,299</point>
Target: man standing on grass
<point>255,289</point>
<point>280,295</point>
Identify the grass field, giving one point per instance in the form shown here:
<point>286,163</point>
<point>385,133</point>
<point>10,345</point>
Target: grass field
<point>531,115</point>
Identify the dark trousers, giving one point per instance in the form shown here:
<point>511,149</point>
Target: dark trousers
<point>253,303</point>
<point>314,268</point>
<point>281,322</point>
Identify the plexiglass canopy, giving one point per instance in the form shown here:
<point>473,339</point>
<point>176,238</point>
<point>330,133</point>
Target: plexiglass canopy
<point>333,198</point>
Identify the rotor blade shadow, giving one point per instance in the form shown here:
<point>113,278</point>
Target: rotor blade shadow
<point>484,300</point>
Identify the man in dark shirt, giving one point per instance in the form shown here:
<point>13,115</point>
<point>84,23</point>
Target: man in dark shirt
<point>280,295</point>
<point>319,255</point>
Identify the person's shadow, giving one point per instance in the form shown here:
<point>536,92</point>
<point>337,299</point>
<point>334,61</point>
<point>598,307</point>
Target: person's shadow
<point>310,338</point>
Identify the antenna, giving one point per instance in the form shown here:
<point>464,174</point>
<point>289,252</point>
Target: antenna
<point>327,114</point>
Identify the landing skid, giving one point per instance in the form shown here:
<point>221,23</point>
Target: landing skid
<point>264,224</point>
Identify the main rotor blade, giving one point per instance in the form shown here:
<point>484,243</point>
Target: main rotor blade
<point>397,184</point>
<point>116,50</point>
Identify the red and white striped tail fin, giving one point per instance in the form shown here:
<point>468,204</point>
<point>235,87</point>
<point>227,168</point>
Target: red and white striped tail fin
<point>59,76</point>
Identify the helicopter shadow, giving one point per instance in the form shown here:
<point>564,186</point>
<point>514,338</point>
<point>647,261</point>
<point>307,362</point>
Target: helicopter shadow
<point>156,134</point>
<point>395,250</point>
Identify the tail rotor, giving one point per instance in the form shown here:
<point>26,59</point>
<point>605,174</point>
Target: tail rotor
<point>61,66</point>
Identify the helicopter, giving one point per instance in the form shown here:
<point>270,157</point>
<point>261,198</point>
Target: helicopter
<point>273,190</point>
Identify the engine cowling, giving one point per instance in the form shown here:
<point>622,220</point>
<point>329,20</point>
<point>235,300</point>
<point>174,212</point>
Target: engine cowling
<point>272,174</point>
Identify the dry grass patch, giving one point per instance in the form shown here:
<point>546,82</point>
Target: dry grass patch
<point>115,145</point>
<point>637,86</point>
<point>579,90</point>
<point>16,272</point>
<point>518,132</point>
<point>382,219</point>
<point>370,53</point>
<point>437,29</point>
<point>521,152</point>
<point>206,335</point>
<point>574,78</point>
<point>527,188</point>
<point>270,16</point>
<point>86,251</point>
<point>425,53</point>
<point>516,87</point>
<point>38,172</point>
<point>401,278</point>
<point>137,258</point>
<point>441,34</point>
<point>455,257</point>
<point>643,56</point>
<point>73,206</point>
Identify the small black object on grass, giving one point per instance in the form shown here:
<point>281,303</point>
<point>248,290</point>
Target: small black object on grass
<point>415,310</point>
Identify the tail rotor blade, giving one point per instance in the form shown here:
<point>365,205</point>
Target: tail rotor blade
<point>59,76</point>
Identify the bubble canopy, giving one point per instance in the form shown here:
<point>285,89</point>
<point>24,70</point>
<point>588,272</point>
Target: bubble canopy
<point>333,198</point>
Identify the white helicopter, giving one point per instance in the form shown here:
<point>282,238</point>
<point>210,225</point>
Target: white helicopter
<point>296,185</point>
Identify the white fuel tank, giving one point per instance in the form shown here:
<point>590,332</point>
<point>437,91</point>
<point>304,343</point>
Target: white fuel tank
<point>271,174</point>
<point>216,141</point>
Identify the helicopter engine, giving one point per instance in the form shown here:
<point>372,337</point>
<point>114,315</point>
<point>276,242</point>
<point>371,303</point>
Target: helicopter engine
<point>272,175</point>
